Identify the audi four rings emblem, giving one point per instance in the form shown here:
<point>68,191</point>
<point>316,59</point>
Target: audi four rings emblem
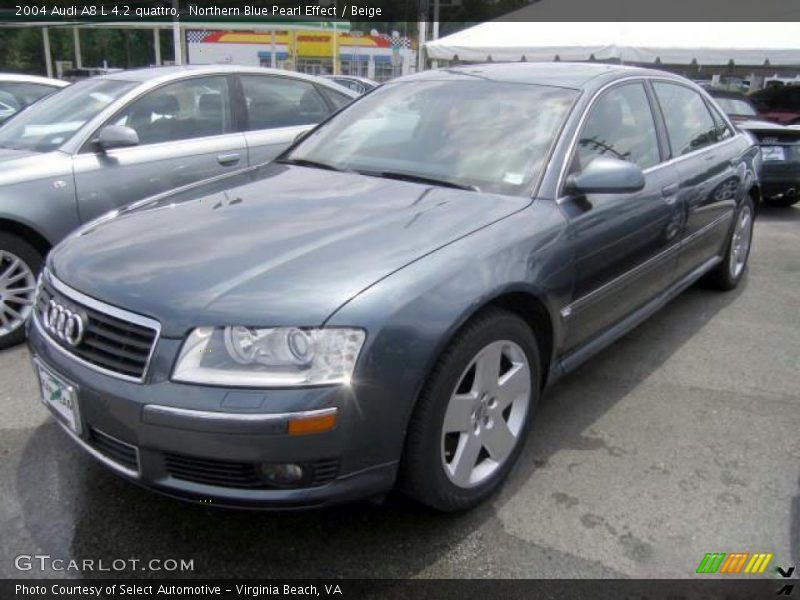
<point>65,324</point>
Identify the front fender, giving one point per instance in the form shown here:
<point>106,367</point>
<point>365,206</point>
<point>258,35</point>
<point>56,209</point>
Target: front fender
<point>411,315</point>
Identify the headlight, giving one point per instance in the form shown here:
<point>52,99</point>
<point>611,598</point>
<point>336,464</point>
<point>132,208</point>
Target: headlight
<point>276,357</point>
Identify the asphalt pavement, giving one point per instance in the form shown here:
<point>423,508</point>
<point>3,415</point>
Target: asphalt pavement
<point>680,439</point>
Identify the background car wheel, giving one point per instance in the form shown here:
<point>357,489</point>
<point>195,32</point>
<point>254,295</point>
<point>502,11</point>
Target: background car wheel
<point>730,271</point>
<point>474,413</point>
<point>19,264</point>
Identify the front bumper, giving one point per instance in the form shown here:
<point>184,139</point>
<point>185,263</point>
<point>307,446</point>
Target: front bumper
<point>205,443</point>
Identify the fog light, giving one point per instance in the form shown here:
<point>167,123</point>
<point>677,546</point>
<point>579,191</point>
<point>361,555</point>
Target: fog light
<point>282,474</point>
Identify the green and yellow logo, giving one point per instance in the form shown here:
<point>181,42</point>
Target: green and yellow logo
<point>734,563</point>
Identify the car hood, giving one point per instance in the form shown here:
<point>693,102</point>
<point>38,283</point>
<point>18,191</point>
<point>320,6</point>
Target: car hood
<point>276,245</point>
<point>25,165</point>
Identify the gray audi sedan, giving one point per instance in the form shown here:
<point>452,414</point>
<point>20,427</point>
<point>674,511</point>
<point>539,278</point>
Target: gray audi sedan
<point>386,302</point>
<point>107,141</point>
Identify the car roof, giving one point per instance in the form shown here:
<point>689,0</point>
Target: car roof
<point>163,74</point>
<point>562,74</point>
<point>21,77</point>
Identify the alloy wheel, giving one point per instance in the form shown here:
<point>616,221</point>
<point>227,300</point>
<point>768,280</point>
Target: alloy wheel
<point>486,413</point>
<point>17,290</point>
<point>740,244</point>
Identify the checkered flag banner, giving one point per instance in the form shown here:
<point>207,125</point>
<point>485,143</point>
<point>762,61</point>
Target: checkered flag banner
<point>196,37</point>
<point>397,42</point>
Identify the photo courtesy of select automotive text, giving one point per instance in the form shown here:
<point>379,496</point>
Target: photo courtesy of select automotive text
<point>469,299</point>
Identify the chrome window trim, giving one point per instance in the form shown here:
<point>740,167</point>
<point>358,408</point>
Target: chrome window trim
<point>108,309</point>
<point>561,197</point>
<point>579,303</point>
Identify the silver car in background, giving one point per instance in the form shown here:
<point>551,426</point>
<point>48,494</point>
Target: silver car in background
<point>19,91</point>
<point>107,141</point>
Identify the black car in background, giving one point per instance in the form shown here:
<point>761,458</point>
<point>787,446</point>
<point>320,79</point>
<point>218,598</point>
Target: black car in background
<point>779,104</point>
<point>780,147</point>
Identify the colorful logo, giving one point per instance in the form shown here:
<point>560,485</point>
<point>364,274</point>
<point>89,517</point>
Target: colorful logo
<point>734,563</point>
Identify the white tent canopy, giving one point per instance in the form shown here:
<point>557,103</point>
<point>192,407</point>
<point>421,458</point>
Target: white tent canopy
<point>750,44</point>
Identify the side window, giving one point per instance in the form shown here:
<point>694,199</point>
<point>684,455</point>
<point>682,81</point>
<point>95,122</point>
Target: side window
<point>722,131</point>
<point>689,124</point>
<point>338,100</point>
<point>281,102</point>
<point>183,110</point>
<point>620,125</point>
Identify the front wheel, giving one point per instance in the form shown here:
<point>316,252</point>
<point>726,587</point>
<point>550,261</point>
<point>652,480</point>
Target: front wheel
<point>19,263</point>
<point>472,418</point>
<point>730,271</point>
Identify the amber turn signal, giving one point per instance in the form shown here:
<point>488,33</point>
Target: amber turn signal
<point>312,424</point>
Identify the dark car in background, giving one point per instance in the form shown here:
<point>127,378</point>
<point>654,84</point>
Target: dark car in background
<point>780,147</point>
<point>780,104</point>
<point>370,309</point>
<point>107,141</point>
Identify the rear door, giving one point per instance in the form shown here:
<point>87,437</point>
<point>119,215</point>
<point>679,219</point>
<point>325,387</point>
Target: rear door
<point>710,182</point>
<point>278,109</point>
<point>625,244</point>
<point>186,133</point>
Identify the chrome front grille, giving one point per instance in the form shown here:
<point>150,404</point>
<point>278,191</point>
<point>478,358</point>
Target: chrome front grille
<point>113,341</point>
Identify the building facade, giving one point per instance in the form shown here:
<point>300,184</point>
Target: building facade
<point>374,55</point>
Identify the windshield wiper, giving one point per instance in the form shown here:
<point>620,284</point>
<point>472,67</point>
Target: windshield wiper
<point>420,179</point>
<point>304,162</point>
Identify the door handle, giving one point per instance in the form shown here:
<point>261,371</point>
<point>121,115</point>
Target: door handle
<point>229,159</point>
<point>670,191</point>
<point>709,156</point>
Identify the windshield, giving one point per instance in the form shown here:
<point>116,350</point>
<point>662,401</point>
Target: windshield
<point>735,106</point>
<point>52,121</point>
<point>475,134</point>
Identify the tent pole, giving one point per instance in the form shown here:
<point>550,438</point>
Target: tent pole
<point>176,36</point>
<point>76,43</point>
<point>435,32</point>
<point>48,60</point>
<point>157,45</point>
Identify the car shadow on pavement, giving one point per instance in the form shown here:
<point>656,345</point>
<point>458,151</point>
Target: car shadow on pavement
<point>74,508</point>
<point>779,214</point>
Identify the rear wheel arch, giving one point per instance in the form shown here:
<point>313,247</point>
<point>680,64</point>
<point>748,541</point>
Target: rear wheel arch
<point>27,233</point>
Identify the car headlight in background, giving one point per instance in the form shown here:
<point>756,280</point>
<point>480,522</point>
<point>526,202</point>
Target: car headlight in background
<point>274,357</point>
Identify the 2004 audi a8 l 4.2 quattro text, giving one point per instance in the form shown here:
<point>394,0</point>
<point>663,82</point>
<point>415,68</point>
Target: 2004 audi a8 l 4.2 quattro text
<point>385,303</point>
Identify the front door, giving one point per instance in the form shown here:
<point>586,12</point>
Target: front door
<point>625,244</point>
<point>186,134</point>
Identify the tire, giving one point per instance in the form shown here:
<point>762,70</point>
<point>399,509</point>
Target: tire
<point>731,270</point>
<point>430,471</point>
<point>20,263</point>
<point>784,202</point>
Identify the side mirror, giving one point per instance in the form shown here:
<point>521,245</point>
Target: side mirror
<point>606,175</point>
<point>116,136</point>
